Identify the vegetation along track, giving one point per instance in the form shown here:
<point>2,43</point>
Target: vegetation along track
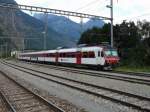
<point>124,98</point>
<point>20,99</point>
<point>104,75</point>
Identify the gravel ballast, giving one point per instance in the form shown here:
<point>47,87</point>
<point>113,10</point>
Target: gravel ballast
<point>133,88</point>
<point>80,99</point>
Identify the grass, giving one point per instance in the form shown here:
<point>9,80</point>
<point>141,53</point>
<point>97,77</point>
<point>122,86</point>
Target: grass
<point>133,69</point>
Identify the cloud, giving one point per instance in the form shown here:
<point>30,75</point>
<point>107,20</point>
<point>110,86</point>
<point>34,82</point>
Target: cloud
<point>131,10</point>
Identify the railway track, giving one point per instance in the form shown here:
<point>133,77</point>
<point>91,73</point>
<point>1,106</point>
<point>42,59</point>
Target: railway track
<point>4,104</point>
<point>128,78</point>
<point>141,74</point>
<point>20,99</point>
<point>127,99</point>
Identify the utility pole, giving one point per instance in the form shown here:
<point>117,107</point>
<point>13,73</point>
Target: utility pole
<point>45,30</point>
<point>1,51</point>
<point>81,23</point>
<point>112,34</point>
<point>111,11</point>
<point>23,42</point>
<point>6,45</point>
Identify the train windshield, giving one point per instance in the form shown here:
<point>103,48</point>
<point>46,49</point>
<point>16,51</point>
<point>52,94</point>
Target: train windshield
<point>111,53</point>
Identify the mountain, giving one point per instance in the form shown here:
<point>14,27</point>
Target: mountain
<point>24,31</point>
<point>21,28</point>
<point>67,27</point>
<point>8,1</point>
<point>62,25</point>
<point>93,23</point>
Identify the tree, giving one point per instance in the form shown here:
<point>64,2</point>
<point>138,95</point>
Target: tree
<point>95,35</point>
<point>126,35</point>
<point>144,28</point>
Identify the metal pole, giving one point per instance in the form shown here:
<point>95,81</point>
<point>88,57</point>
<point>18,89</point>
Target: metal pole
<point>1,52</point>
<point>45,32</point>
<point>23,44</point>
<point>112,38</point>
<point>81,23</point>
<point>6,50</point>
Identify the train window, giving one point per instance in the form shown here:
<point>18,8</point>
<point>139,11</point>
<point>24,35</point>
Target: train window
<point>45,55</point>
<point>91,54</point>
<point>49,55</point>
<point>114,53</point>
<point>111,53</point>
<point>69,55</point>
<point>72,55</point>
<point>99,53</point>
<point>61,54</point>
<point>85,54</point>
<point>64,55</point>
<point>53,55</point>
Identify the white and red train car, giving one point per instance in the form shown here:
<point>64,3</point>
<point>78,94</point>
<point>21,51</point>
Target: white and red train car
<point>99,56</point>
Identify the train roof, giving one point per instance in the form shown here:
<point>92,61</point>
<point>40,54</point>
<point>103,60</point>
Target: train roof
<point>86,48</point>
<point>41,52</point>
<point>68,50</point>
<point>91,48</point>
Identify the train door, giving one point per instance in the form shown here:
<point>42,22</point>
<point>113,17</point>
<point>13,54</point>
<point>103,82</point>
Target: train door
<point>102,59</point>
<point>78,56</point>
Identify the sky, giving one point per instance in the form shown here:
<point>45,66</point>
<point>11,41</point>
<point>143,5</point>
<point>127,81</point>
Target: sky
<point>130,10</point>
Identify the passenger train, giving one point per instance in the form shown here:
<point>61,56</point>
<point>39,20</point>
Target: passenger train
<point>97,56</point>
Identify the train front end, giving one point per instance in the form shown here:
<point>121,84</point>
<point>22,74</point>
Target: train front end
<point>111,58</point>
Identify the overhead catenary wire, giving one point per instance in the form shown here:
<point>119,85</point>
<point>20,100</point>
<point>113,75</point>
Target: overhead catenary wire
<point>100,8</point>
<point>101,4</point>
<point>88,4</point>
<point>53,11</point>
<point>138,17</point>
